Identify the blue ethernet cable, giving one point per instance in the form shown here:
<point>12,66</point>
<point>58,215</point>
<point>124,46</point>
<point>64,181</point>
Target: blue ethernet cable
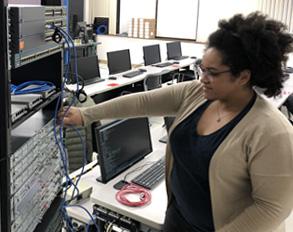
<point>66,204</point>
<point>40,86</point>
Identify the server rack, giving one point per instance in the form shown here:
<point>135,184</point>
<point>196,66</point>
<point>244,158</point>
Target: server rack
<point>12,133</point>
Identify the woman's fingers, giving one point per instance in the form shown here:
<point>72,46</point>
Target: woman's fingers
<point>72,116</point>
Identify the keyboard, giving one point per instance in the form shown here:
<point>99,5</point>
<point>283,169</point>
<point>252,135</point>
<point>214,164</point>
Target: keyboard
<point>132,73</point>
<point>152,176</point>
<point>179,57</point>
<point>162,65</point>
<point>92,81</point>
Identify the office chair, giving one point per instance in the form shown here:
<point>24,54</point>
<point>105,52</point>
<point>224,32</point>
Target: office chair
<point>187,74</point>
<point>289,105</point>
<point>154,80</point>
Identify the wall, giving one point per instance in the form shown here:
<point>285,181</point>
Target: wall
<point>208,19</point>
<point>113,43</point>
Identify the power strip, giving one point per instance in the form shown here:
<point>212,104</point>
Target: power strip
<point>85,191</point>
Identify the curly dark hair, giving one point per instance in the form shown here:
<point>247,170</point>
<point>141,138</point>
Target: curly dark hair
<point>256,43</point>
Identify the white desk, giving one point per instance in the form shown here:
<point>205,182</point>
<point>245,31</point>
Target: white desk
<point>286,91</point>
<point>121,81</point>
<point>152,215</point>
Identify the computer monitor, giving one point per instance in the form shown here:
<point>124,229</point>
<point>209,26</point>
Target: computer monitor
<point>119,61</point>
<point>87,67</point>
<point>151,54</point>
<point>173,50</point>
<point>121,144</point>
<point>80,32</point>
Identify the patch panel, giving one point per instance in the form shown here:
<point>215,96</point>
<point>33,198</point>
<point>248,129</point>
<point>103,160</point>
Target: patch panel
<point>35,179</point>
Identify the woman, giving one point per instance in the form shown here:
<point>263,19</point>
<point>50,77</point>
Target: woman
<point>229,158</point>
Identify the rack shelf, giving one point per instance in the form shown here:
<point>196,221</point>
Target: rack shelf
<point>14,135</point>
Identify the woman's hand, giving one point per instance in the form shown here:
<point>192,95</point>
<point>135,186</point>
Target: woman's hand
<point>72,116</point>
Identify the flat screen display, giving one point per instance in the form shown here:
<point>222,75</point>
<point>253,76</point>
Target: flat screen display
<point>87,67</point>
<point>120,144</point>
<point>173,50</point>
<point>119,61</point>
<point>151,54</point>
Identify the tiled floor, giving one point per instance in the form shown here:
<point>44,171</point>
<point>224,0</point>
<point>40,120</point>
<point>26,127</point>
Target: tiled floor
<point>158,132</point>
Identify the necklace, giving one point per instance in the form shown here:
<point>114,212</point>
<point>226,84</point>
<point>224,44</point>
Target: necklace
<point>218,114</point>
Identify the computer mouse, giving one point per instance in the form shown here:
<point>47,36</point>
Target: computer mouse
<point>112,78</point>
<point>142,70</point>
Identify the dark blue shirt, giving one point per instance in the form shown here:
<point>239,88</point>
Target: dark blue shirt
<point>190,175</point>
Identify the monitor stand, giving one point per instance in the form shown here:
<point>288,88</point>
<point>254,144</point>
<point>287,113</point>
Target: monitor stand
<point>164,139</point>
<point>120,184</point>
<point>99,179</point>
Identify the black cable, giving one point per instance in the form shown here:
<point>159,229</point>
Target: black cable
<point>84,172</point>
<point>138,169</point>
<point>57,36</point>
<point>80,92</point>
<point>3,159</point>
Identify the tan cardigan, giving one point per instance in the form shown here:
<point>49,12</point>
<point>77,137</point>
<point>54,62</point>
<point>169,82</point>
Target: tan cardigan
<point>251,172</point>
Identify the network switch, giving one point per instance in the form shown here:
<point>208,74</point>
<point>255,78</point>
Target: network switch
<point>17,111</point>
<point>19,59</point>
<point>30,36</point>
<point>31,100</point>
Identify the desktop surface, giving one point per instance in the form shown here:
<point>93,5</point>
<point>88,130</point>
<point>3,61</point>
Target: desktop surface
<point>108,84</point>
<point>279,100</point>
<point>152,214</point>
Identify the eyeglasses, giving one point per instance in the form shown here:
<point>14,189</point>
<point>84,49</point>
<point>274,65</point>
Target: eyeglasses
<point>208,73</point>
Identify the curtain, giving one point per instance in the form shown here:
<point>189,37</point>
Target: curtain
<point>281,10</point>
<point>103,8</point>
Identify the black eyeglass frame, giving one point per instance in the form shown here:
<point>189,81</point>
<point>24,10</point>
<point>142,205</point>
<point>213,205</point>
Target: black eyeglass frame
<point>209,74</point>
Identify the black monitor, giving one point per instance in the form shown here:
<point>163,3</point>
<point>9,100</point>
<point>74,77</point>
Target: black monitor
<point>80,32</point>
<point>173,50</point>
<point>151,54</point>
<point>120,144</point>
<point>87,67</point>
<point>119,61</point>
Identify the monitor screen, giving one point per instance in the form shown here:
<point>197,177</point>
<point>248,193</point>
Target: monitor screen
<point>80,30</point>
<point>119,61</point>
<point>120,144</point>
<point>173,49</point>
<point>87,67</point>
<point>151,54</point>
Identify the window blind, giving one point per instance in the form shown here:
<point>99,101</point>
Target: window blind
<point>281,10</point>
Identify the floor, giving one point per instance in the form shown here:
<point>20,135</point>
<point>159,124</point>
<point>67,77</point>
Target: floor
<point>158,131</point>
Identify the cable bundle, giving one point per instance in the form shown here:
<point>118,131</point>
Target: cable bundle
<point>59,139</point>
<point>145,196</point>
<point>37,86</point>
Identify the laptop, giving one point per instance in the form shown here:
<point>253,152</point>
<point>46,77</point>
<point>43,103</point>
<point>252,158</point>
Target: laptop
<point>87,68</point>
